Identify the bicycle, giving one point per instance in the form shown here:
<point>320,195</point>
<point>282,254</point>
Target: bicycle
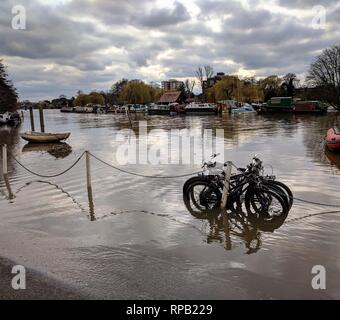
<point>264,197</point>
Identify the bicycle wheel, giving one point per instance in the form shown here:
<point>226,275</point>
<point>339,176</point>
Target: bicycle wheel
<point>204,195</point>
<point>189,182</point>
<point>278,191</point>
<point>265,204</point>
<point>285,191</point>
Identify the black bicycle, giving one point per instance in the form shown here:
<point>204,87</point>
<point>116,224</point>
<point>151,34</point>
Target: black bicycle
<point>263,196</point>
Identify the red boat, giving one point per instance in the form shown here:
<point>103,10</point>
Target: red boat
<point>333,139</point>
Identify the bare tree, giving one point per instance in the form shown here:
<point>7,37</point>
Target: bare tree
<point>325,73</point>
<point>289,84</point>
<point>200,76</point>
<point>189,87</point>
<point>209,72</point>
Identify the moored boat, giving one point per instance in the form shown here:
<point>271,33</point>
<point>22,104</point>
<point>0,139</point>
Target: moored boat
<point>200,108</point>
<point>291,105</point>
<point>86,109</point>
<point>246,108</point>
<point>333,139</point>
<point>67,109</point>
<point>121,109</point>
<point>39,137</point>
<point>160,109</point>
<point>138,108</point>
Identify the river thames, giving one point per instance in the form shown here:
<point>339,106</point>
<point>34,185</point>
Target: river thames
<point>138,241</point>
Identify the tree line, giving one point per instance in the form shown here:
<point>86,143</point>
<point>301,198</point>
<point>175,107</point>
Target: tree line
<point>122,92</point>
<point>231,87</point>
<point>322,83</point>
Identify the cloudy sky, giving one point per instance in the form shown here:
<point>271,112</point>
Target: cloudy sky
<point>72,45</point>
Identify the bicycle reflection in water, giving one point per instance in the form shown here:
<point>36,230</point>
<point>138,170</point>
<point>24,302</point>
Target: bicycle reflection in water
<point>227,227</point>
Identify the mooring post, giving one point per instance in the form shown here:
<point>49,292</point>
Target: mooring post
<point>226,185</point>
<point>4,160</point>
<point>88,170</point>
<point>32,119</point>
<point>5,171</point>
<point>89,186</point>
<point>41,114</point>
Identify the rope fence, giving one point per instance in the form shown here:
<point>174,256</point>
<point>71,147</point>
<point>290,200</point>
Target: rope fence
<point>47,176</point>
<point>142,175</point>
<point>89,154</point>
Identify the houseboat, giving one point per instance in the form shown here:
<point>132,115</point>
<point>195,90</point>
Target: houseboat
<point>121,109</point>
<point>160,109</point>
<point>137,108</point>
<point>200,108</point>
<point>291,105</point>
<point>67,109</point>
<point>86,109</point>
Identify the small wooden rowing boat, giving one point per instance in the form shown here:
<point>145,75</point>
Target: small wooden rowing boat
<point>333,139</point>
<point>39,137</point>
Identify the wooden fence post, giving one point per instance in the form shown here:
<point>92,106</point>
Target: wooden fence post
<point>226,185</point>
<point>89,186</point>
<point>41,115</point>
<point>5,171</point>
<point>32,119</point>
<point>4,160</point>
<point>88,170</point>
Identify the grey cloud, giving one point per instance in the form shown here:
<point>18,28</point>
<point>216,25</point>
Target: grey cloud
<point>307,3</point>
<point>78,35</point>
<point>164,17</point>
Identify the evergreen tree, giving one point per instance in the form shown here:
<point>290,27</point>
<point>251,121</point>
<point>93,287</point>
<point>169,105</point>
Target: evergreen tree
<point>8,94</point>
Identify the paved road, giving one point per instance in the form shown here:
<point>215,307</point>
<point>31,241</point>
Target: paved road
<point>40,286</point>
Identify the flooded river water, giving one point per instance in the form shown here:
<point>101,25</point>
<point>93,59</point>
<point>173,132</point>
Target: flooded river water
<point>137,240</point>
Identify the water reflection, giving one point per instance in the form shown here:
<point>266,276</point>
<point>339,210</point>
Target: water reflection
<point>58,150</point>
<point>57,187</point>
<point>10,196</point>
<point>334,158</point>
<point>223,226</point>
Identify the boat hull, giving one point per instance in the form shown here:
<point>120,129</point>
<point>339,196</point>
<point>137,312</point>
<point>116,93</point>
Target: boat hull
<point>333,139</point>
<point>298,108</point>
<point>67,110</point>
<point>152,112</point>
<point>35,137</point>
<point>198,111</point>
